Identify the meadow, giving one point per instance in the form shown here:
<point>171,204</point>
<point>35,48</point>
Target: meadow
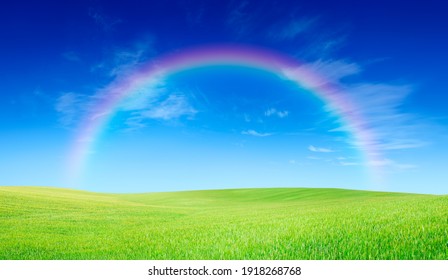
<point>276,223</point>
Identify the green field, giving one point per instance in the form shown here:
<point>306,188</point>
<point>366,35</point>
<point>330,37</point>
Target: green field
<point>295,223</point>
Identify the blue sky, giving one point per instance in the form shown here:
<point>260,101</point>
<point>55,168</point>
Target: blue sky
<point>225,126</point>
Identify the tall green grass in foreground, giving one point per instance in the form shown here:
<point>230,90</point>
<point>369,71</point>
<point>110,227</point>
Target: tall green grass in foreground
<point>48,223</point>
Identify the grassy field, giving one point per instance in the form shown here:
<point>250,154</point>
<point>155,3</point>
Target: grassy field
<point>50,223</point>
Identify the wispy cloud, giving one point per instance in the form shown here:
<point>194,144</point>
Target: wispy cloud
<point>239,19</point>
<point>255,133</point>
<point>380,105</point>
<point>173,107</point>
<point>324,43</point>
<point>135,122</point>
<point>391,164</point>
<point>327,47</point>
<point>375,108</point>
<point>313,158</point>
<point>282,114</point>
<point>127,59</point>
<point>325,159</point>
<point>194,13</point>
<point>70,107</point>
<point>289,30</point>
<point>71,56</point>
<point>328,71</point>
<point>145,95</point>
<point>348,163</point>
<point>153,100</point>
<point>275,112</point>
<point>319,150</point>
<point>121,61</point>
<point>106,22</point>
<point>334,70</point>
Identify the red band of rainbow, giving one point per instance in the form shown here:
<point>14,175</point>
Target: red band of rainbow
<point>231,55</point>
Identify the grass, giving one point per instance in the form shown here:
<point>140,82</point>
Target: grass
<point>50,223</point>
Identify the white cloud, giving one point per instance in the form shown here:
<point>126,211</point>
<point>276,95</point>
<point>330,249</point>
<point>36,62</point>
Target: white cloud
<point>405,166</point>
<point>238,19</point>
<point>270,112</point>
<point>173,107</point>
<point>135,123</point>
<point>400,143</point>
<point>153,105</point>
<point>380,107</point>
<point>122,61</point>
<point>194,14</point>
<point>99,115</point>
<point>291,29</point>
<point>255,133</point>
<point>374,112</point>
<point>348,163</point>
<point>69,105</point>
<point>391,164</point>
<point>144,96</point>
<point>319,150</point>
<point>274,112</point>
<point>380,162</point>
<point>71,56</point>
<point>313,158</point>
<point>125,60</point>
<point>331,71</point>
<point>106,22</point>
<point>324,45</point>
<point>283,114</point>
<point>334,70</point>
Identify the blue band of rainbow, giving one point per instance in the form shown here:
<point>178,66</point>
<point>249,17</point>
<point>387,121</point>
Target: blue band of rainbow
<point>231,55</point>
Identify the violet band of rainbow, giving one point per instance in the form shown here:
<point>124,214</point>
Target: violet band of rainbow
<point>229,55</point>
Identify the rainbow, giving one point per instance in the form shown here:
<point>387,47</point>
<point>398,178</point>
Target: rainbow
<point>229,55</point>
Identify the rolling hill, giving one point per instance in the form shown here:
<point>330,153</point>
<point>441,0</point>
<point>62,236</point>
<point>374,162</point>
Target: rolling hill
<point>276,223</point>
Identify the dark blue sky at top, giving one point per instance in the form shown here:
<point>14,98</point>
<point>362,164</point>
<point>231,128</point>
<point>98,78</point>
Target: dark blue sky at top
<point>51,48</point>
<point>410,36</point>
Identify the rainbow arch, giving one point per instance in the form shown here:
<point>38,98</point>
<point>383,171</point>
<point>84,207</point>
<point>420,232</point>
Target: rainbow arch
<point>228,55</point>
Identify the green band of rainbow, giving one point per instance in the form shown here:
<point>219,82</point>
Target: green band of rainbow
<point>232,55</point>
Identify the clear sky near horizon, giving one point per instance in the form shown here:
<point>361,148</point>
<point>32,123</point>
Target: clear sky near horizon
<point>225,126</point>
